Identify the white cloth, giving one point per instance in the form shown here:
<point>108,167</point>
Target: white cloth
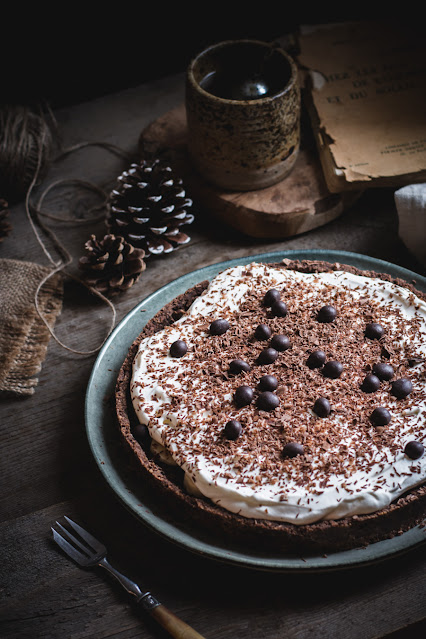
<point>411,206</point>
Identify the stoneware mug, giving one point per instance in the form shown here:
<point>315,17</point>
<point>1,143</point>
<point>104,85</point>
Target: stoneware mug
<point>242,100</point>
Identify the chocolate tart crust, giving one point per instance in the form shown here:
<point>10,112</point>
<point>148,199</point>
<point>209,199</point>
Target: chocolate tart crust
<point>165,482</point>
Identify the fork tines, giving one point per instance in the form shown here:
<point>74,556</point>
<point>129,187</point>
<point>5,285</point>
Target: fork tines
<point>85,550</point>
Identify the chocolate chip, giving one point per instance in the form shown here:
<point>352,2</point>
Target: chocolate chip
<point>414,449</point>
<point>326,314</point>
<point>370,384</point>
<point>316,359</point>
<point>233,429</point>
<point>219,327</point>
<point>178,348</point>
<point>280,342</point>
<point>401,388</point>
<point>279,309</point>
<point>322,407</point>
<point>292,449</point>
<point>243,396</point>
<point>267,401</point>
<point>332,369</point>
<point>380,416</point>
<point>374,331</point>
<point>271,296</point>
<point>267,356</point>
<point>141,433</point>
<point>237,366</point>
<point>383,371</point>
<point>268,383</point>
<point>262,332</point>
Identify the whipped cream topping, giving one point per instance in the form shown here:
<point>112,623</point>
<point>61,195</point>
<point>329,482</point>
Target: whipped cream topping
<point>349,465</point>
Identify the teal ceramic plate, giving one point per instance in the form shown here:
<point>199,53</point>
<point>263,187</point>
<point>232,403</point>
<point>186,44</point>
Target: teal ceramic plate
<point>103,437</point>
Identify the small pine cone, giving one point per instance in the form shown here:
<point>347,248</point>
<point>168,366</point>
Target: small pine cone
<point>149,207</point>
<point>5,227</point>
<point>111,265</point>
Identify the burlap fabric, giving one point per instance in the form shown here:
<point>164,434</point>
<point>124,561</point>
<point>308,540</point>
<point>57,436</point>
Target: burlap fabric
<point>24,336</point>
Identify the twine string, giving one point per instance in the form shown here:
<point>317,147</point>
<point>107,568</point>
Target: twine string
<point>73,220</point>
<point>106,145</point>
<point>35,213</point>
<point>88,185</point>
<point>27,141</point>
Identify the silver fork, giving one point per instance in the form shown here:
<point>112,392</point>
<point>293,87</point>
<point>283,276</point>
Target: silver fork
<point>87,551</point>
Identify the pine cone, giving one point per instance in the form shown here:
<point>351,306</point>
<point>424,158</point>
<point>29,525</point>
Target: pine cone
<point>149,207</point>
<point>111,265</point>
<point>5,227</point>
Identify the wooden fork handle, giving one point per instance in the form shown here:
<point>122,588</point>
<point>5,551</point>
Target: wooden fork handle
<point>174,626</point>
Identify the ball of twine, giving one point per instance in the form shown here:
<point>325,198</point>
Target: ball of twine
<point>28,141</point>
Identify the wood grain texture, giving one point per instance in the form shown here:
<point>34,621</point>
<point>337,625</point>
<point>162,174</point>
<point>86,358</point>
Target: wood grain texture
<point>47,471</point>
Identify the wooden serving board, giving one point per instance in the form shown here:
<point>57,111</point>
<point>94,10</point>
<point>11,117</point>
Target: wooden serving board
<point>299,203</point>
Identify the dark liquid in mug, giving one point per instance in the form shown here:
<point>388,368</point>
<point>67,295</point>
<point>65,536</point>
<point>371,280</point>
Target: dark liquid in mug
<point>231,87</point>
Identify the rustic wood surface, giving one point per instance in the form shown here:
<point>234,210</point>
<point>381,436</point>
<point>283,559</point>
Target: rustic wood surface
<point>47,471</point>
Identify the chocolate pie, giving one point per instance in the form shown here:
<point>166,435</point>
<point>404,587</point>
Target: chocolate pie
<point>283,405</point>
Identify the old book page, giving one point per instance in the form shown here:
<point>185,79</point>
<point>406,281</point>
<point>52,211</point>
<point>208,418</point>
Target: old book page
<point>365,86</point>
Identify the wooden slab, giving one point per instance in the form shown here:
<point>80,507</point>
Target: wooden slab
<point>299,203</point>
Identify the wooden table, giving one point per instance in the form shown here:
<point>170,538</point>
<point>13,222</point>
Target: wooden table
<point>47,469</point>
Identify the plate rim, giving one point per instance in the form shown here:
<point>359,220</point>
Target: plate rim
<point>373,553</point>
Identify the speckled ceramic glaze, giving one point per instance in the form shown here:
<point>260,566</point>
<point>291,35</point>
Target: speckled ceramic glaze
<point>235,141</point>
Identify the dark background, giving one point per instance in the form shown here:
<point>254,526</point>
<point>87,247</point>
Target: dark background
<point>69,54</point>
